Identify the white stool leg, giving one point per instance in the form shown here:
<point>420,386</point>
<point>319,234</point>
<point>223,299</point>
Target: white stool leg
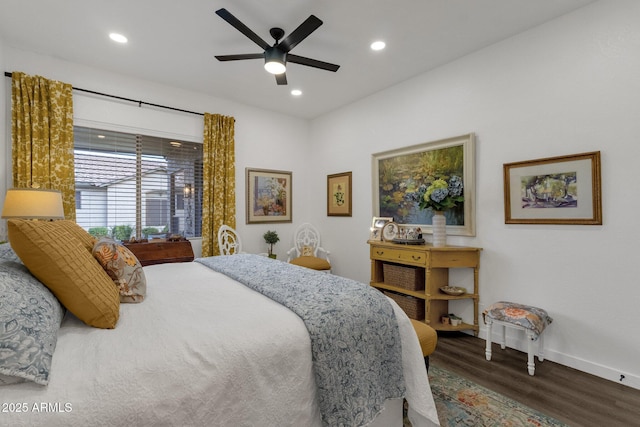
<point>530,362</point>
<point>504,337</point>
<point>540,348</point>
<point>487,351</point>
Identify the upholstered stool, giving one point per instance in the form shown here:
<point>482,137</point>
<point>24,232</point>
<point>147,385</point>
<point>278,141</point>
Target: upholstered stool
<point>427,337</point>
<point>531,320</point>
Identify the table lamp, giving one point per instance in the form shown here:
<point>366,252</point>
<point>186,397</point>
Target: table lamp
<point>31,203</point>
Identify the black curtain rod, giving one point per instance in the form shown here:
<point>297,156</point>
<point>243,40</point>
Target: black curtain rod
<point>140,103</point>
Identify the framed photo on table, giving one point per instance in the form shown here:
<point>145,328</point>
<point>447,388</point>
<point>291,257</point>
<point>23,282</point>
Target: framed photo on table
<point>339,194</point>
<point>268,196</point>
<point>390,231</point>
<point>554,190</point>
<point>377,224</point>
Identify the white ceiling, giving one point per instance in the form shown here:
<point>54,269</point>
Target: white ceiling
<point>174,42</point>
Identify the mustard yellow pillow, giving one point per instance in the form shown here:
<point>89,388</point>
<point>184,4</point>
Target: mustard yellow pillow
<point>78,232</point>
<point>312,262</point>
<point>61,261</point>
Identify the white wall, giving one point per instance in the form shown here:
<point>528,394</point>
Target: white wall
<point>566,87</point>
<point>263,139</point>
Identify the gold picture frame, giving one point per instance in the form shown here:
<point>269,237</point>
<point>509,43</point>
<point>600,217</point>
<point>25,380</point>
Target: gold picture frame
<point>268,196</point>
<point>339,194</point>
<point>554,190</point>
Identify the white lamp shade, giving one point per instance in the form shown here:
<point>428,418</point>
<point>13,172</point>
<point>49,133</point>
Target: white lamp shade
<point>31,203</point>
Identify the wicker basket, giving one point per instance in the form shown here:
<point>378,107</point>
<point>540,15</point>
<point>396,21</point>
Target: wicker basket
<point>410,278</point>
<point>414,307</point>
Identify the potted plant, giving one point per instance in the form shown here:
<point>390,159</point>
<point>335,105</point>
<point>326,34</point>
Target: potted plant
<point>271,237</point>
<point>455,320</point>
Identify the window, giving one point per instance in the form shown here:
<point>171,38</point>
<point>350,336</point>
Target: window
<point>136,185</point>
<point>78,200</point>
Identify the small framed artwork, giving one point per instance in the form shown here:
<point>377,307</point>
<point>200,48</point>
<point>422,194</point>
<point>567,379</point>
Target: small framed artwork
<point>554,190</point>
<point>339,194</point>
<point>377,224</point>
<point>268,196</point>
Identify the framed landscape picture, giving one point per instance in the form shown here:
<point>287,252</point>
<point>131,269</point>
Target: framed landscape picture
<point>268,196</point>
<point>554,190</point>
<point>400,175</point>
<point>339,194</point>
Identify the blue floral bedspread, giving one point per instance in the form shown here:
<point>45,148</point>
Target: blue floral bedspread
<point>355,342</point>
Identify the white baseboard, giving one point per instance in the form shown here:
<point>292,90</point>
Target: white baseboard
<point>517,342</point>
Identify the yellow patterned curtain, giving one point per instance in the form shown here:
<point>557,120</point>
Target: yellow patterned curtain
<point>219,180</point>
<point>42,136</point>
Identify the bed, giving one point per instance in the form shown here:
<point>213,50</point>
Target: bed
<point>204,349</point>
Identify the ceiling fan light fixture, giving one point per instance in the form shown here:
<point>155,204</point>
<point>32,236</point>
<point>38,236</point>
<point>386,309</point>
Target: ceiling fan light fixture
<point>277,55</point>
<point>275,67</point>
<point>378,45</point>
<point>118,38</point>
<point>274,60</point>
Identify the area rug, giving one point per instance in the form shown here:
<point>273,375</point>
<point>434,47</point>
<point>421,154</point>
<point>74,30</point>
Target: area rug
<point>461,402</point>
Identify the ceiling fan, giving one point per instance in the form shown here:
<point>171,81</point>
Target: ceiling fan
<point>277,56</point>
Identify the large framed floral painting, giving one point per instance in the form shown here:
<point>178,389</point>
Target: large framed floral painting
<point>268,196</point>
<point>410,184</point>
<point>554,190</point>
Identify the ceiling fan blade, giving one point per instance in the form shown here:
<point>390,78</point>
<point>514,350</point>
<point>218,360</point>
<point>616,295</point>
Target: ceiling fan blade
<point>235,22</point>
<point>281,79</point>
<point>240,56</point>
<point>312,62</point>
<point>307,27</point>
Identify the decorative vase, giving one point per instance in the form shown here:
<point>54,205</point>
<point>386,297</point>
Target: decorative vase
<point>439,227</point>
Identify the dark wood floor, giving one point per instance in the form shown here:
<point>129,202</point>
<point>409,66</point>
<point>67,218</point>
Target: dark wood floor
<point>571,396</point>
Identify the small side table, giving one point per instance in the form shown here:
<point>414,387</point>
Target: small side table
<point>161,252</point>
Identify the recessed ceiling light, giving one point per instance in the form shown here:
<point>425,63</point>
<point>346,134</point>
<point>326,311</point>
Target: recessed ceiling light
<point>118,38</point>
<point>378,45</point>
<point>296,92</point>
<point>175,144</point>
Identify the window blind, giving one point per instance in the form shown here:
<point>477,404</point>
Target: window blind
<point>140,186</point>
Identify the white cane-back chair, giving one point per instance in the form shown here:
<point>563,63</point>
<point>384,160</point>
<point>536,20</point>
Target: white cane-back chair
<point>306,250</point>
<point>229,241</point>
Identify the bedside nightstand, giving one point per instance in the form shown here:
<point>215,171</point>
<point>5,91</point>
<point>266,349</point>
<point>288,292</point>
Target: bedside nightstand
<point>149,253</point>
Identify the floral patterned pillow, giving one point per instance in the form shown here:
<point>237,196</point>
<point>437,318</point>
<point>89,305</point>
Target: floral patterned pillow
<point>123,267</point>
<point>30,317</point>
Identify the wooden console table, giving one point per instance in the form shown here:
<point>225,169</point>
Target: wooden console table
<point>149,253</point>
<point>435,263</point>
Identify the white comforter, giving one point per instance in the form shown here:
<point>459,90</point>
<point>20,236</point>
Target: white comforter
<point>201,350</point>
